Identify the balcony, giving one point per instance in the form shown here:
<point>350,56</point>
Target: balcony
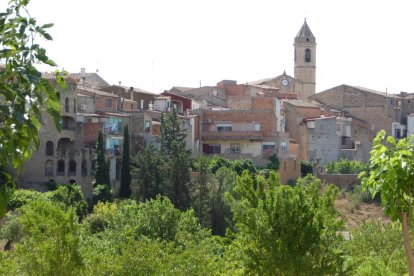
<point>232,135</point>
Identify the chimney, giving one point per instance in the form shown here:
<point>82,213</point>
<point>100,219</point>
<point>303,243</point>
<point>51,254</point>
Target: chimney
<point>131,89</point>
<point>82,75</point>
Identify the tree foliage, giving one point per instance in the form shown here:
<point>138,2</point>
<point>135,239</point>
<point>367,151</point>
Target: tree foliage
<point>24,93</point>
<point>177,159</point>
<point>50,242</point>
<point>125,189</point>
<point>101,174</point>
<point>345,167</point>
<point>283,230</point>
<point>376,249</point>
<point>201,190</point>
<point>148,168</point>
<point>391,172</point>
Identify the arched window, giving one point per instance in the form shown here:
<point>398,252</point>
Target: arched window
<point>307,55</point>
<point>50,148</point>
<point>72,167</point>
<point>49,168</point>
<point>84,168</point>
<point>67,104</point>
<point>93,167</point>
<point>60,167</point>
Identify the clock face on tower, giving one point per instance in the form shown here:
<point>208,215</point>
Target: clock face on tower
<point>285,82</point>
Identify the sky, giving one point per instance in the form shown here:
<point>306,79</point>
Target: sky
<point>157,44</point>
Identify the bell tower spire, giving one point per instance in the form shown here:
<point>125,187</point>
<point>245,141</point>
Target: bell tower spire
<point>305,62</point>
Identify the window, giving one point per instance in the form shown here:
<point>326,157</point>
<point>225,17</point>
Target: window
<point>72,167</point>
<point>268,147</point>
<point>74,105</point>
<point>307,55</point>
<point>397,133</point>
<point>68,123</point>
<point>224,127</point>
<point>257,127</point>
<point>84,168</point>
<point>108,102</point>
<point>49,168</point>
<point>93,167</point>
<point>214,149</point>
<point>234,148</point>
<point>147,125</point>
<point>283,147</point>
<point>49,148</point>
<point>67,105</point>
<point>60,167</point>
<point>142,104</point>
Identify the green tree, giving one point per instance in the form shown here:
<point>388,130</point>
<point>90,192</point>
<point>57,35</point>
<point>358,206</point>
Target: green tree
<point>283,230</point>
<point>171,131</point>
<point>274,162</point>
<point>177,158</point>
<point>50,243</point>
<point>376,249</point>
<point>221,216</point>
<point>178,175</point>
<point>217,162</point>
<point>24,93</point>
<point>101,173</point>
<point>71,196</point>
<point>305,168</point>
<point>241,165</point>
<point>345,167</point>
<point>154,237</point>
<point>148,169</point>
<point>201,193</point>
<point>391,173</point>
<point>125,189</point>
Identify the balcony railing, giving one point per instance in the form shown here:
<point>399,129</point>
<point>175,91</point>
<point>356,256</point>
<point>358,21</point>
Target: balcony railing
<point>232,135</point>
<point>85,153</point>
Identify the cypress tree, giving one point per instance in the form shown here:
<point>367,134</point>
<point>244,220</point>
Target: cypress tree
<point>177,160</point>
<point>125,189</point>
<point>101,175</point>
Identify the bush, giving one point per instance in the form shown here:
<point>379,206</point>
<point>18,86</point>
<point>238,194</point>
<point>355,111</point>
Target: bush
<point>21,197</point>
<point>345,167</point>
<point>376,249</point>
<point>241,165</point>
<point>70,195</point>
<point>50,245</point>
<point>306,168</point>
<point>217,162</point>
<point>274,163</point>
<point>101,192</point>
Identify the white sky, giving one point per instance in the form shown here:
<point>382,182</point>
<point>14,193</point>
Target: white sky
<point>157,44</point>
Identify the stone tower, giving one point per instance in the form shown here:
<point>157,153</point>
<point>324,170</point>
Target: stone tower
<point>305,62</point>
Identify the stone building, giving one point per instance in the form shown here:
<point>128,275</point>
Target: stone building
<point>378,109</point>
<point>61,156</point>
<point>304,81</point>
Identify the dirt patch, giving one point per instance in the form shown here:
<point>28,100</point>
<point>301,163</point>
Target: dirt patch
<point>354,214</point>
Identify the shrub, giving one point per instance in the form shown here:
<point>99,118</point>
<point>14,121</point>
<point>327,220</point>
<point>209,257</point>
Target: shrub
<point>345,167</point>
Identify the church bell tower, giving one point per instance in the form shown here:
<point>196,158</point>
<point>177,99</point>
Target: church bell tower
<point>305,62</point>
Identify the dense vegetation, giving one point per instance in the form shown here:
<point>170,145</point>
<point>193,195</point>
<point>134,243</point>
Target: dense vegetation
<point>345,167</point>
<point>183,214</point>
